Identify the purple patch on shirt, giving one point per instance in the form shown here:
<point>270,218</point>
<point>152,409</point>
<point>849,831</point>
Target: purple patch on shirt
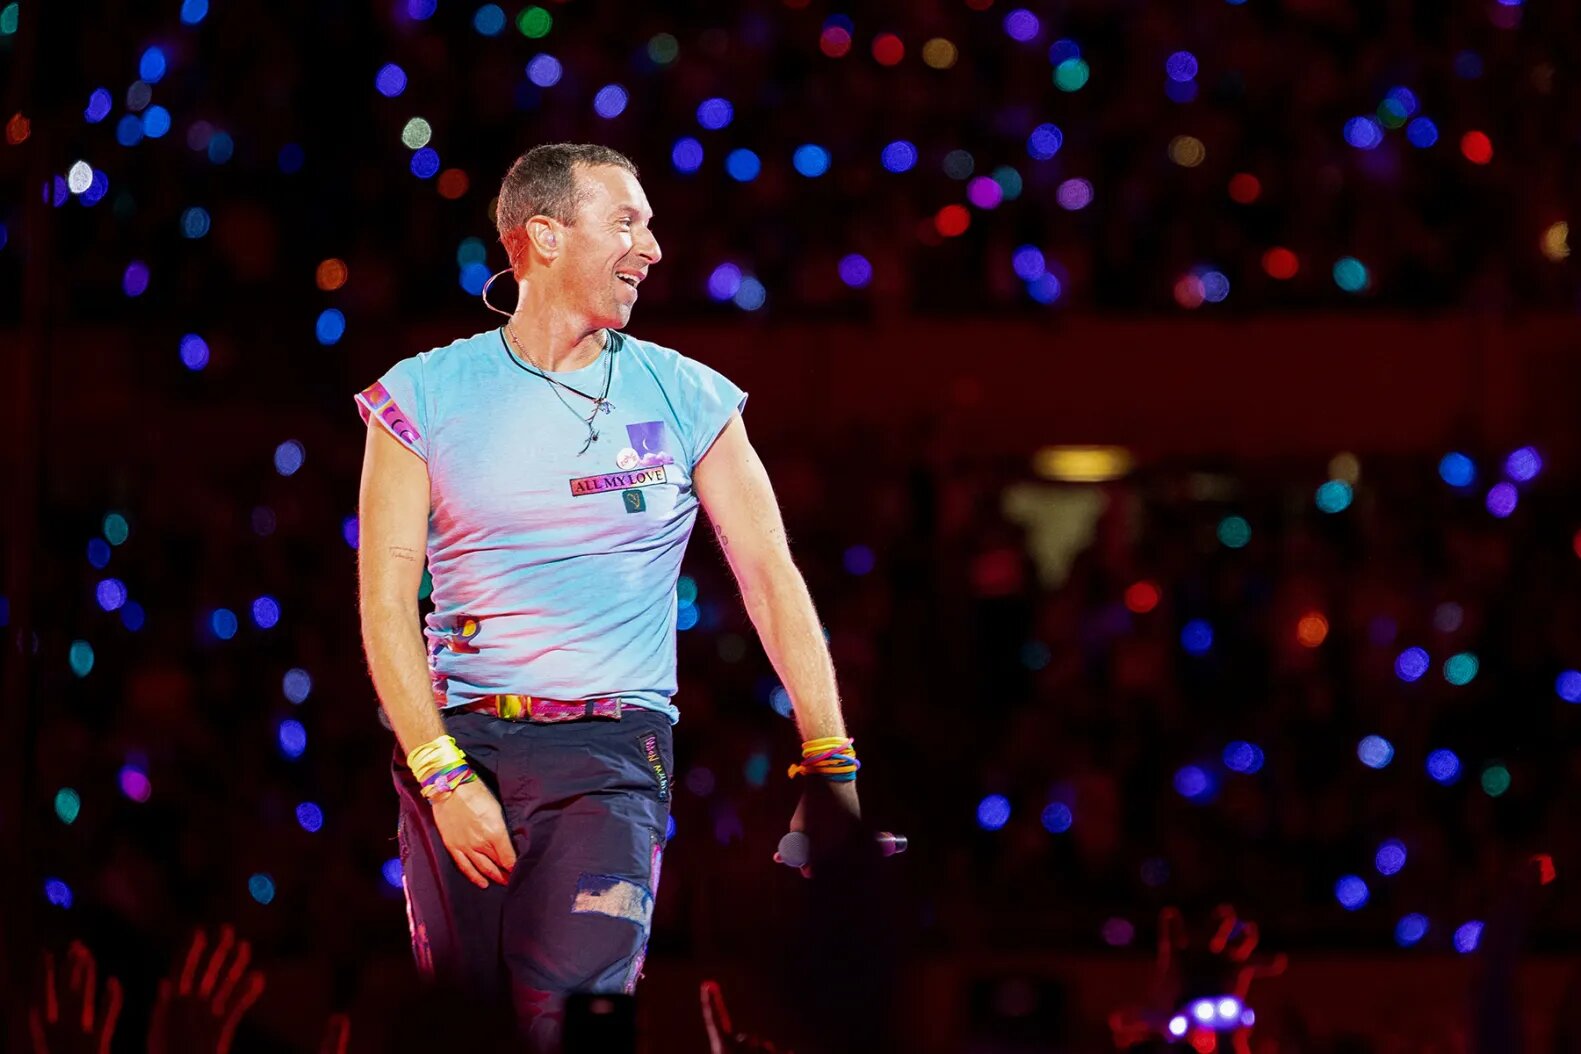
<point>647,439</point>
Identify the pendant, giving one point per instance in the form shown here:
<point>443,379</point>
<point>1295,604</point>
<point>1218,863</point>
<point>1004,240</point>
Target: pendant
<point>604,405</point>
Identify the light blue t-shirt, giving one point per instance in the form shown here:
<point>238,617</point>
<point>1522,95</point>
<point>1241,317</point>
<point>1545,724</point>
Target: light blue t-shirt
<point>554,571</point>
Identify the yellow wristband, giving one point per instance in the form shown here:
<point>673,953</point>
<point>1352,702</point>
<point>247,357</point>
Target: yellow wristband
<point>431,757</point>
<point>818,746</point>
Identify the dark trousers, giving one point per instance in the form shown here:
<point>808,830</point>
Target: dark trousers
<point>587,804</point>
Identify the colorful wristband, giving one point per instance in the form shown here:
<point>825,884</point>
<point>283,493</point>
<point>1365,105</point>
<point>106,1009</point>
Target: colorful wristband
<point>435,756</point>
<point>447,780</point>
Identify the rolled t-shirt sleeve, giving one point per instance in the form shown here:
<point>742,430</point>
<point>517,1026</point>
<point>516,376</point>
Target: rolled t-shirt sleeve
<point>397,403</point>
<point>710,399</point>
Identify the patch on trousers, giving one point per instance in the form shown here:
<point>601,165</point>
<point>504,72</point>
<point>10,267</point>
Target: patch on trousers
<point>655,858</point>
<point>650,748</point>
<point>619,898</point>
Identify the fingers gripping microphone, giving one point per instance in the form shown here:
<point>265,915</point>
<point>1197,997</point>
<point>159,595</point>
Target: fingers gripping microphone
<point>795,849</point>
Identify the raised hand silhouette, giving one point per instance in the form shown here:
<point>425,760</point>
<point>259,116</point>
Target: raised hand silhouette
<point>84,1027</point>
<point>337,1034</point>
<point>198,1008</point>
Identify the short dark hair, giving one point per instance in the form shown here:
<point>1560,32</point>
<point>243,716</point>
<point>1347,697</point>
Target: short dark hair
<point>543,182</point>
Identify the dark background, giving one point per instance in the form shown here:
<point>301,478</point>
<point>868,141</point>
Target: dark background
<point>1001,627</point>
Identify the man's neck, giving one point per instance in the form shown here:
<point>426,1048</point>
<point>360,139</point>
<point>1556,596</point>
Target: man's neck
<point>552,340</point>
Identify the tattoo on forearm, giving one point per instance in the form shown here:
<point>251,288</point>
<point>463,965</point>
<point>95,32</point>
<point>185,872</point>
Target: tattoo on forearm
<point>723,541</point>
<point>401,552</point>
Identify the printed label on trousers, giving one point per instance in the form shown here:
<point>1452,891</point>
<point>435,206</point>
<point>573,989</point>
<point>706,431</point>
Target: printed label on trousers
<point>650,747</point>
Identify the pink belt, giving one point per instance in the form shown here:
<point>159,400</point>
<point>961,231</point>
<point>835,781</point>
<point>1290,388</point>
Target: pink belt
<point>546,711</point>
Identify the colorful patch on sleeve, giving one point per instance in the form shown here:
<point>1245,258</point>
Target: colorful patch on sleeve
<point>376,399</point>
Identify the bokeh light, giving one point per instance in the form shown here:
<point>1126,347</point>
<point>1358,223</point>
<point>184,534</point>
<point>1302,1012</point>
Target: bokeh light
<point>610,101</point>
<point>743,165</point>
<point>1350,274</point>
<point>1443,766</point>
<point>1502,499</point>
<point>1311,629</point>
<point>1141,597</point>
<point>1457,470</point>
<point>1334,496</point>
<point>310,817</point>
<point>1351,892</point>
<point>223,623</point>
<point>544,70</point>
<point>1495,780</point>
<point>1071,75</point>
<point>1390,857</point>
<point>1410,929</point>
<point>111,594</point>
<point>330,327</point>
<point>296,685</point>
<point>1044,142</point>
<point>714,114</point>
<point>135,784</point>
<point>68,805</point>
<point>1021,25</point>
<point>1467,936</point>
<point>686,155</point>
<point>194,352</point>
<point>1375,752</point>
<point>292,737</point>
<point>80,658</point>
<point>1197,636</point>
<point>1056,817</point>
<point>1195,784</point>
<point>1243,757</point>
<point>1568,686</point>
<point>390,80</point>
<point>261,888</point>
<point>1461,669</point>
<point>1411,664</point>
<point>57,893</point>
<point>1074,195</point>
<point>1181,66</point>
<point>1234,532</point>
<point>1523,465</point>
<point>288,457</point>
<point>855,270</point>
<point>266,612</point>
<point>899,156</point>
<point>810,160</point>
<point>1476,147</point>
<point>993,812</point>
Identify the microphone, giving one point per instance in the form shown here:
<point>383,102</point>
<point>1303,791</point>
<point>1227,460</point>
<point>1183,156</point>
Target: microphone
<point>795,849</point>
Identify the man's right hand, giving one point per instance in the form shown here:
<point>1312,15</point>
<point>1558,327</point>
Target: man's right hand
<point>472,825</point>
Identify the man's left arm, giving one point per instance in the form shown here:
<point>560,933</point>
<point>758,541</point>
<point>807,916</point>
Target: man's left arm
<point>734,488</point>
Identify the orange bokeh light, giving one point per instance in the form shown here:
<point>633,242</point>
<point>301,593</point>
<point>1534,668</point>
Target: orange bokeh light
<point>1312,630</point>
<point>17,129</point>
<point>331,275</point>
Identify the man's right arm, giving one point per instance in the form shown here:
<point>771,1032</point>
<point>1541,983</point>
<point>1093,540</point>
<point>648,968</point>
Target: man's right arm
<point>392,523</point>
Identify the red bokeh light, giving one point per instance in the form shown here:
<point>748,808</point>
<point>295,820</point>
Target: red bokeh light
<point>952,220</point>
<point>1477,148</point>
<point>888,50</point>
<point>1245,188</point>
<point>1281,263</point>
<point>834,42</point>
<point>1141,597</point>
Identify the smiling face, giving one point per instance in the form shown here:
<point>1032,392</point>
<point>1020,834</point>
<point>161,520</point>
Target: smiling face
<point>607,252</point>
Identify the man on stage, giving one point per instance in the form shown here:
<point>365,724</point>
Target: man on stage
<point>550,471</point>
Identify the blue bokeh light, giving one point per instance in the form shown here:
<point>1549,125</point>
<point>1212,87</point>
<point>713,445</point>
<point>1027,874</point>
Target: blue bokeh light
<point>293,738</point>
<point>1243,757</point>
<point>1411,664</point>
<point>993,812</point>
<point>1351,892</point>
<point>1375,752</point>
<point>296,684</point>
<point>811,160</point>
<point>1390,857</point>
<point>1457,469</point>
<point>1410,929</point>
<point>1443,766</point>
<point>686,155</point>
<point>1044,142</point>
<point>714,114</point>
<point>330,327</point>
<point>1197,636</point>
<point>743,165</point>
<point>899,156</point>
<point>1056,817</point>
<point>310,817</point>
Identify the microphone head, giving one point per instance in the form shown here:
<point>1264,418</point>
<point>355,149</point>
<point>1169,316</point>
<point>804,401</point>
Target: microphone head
<point>795,849</point>
<point>890,844</point>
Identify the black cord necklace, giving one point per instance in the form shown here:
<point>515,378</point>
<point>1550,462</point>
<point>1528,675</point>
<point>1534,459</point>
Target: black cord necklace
<point>600,403</point>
